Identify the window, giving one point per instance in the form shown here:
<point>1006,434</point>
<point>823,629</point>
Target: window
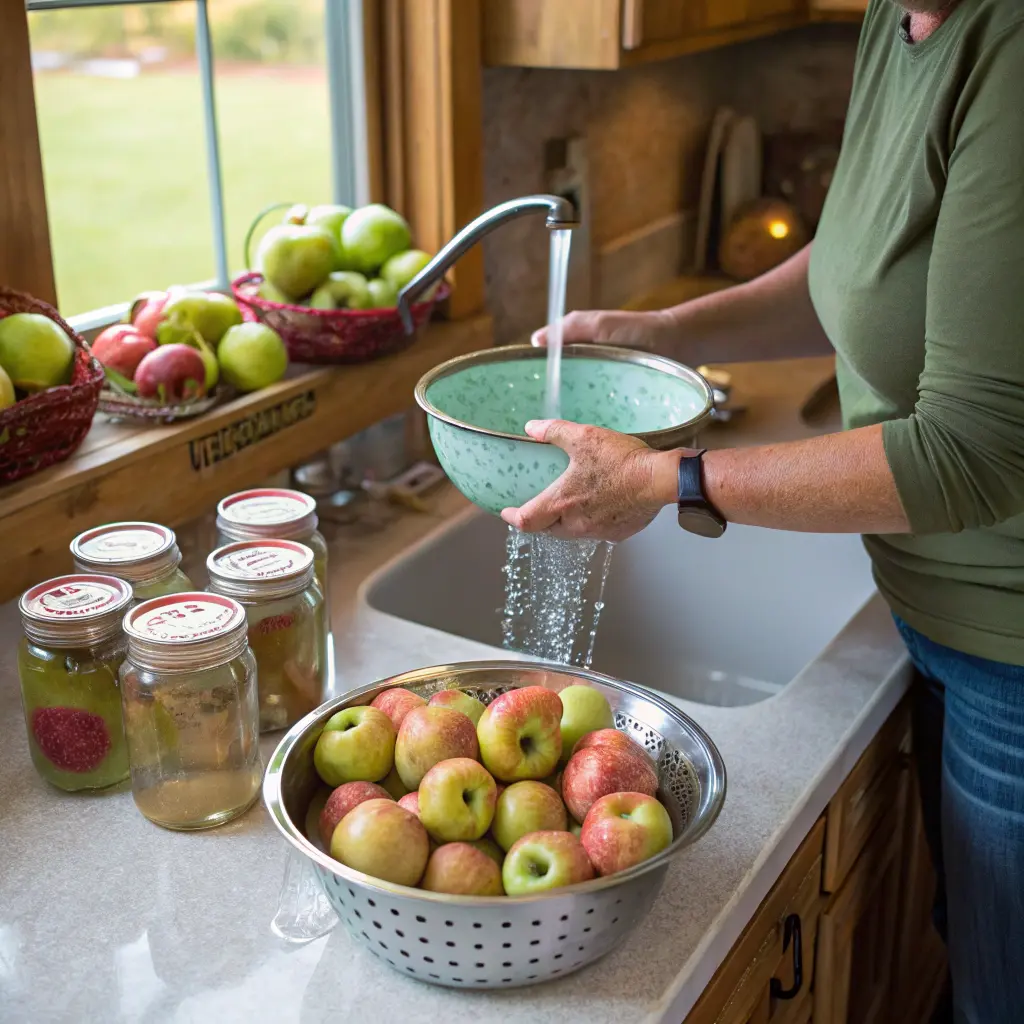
<point>167,125</point>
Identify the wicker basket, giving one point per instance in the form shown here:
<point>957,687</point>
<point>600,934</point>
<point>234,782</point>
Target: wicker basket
<point>331,335</point>
<point>132,409</point>
<point>47,427</point>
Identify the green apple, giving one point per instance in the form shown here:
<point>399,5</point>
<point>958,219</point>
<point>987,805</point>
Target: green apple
<point>401,269</point>
<point>392,782</point>
<point>383,294</point>
<point>267,291</point>
<point>296,214</point>
<point>575,827</point>
<point>384,840</point>
<point>296,258</point>
<point>35,352</point>
<point>545,860</point>
<point>331,218</point>
<point>456,800</point>
<point>7,395</point>
<point>356,745</point>
<point>584,710</point>
<point>624,829</point>
<point>491,848</point>
<point>209,313</point>
<point>460,701</point>
<point>344,799</point>
<point>212,367</point>
<point>343,289</point>
<point>463,870</point>
<point>252,356</point>
<point>431,735</point>
<point>526,807</point>
<point>520,734</point>
<point>373,234</point>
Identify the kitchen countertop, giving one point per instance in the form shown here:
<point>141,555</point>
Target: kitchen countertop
<point>107,918</point>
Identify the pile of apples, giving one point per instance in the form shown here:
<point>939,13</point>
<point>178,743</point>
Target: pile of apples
<point>35,354</point>
<point>333,257</point>
<point>456,797</point>
<point>179,343</point>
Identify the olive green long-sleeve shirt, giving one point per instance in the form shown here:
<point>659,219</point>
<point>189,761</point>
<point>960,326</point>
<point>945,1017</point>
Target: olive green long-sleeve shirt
<point>917,275</point>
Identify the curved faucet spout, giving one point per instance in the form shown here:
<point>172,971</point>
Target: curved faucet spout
<point>560,214</point>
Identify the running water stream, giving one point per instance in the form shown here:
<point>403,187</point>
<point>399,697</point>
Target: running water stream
<point>558,275</point>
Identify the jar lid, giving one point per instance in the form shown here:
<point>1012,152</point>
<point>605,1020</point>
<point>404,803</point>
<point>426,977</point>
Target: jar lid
<point>264,569</point>
<point>186,631</point>
<point>138,552</point>
<point>267,512</point>
<point>74,611</point>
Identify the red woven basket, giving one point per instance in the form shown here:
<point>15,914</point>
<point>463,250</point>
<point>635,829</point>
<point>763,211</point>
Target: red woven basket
<point>48,426</point>
<point>331,335</point>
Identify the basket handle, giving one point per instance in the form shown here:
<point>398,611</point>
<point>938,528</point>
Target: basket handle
<point>262,215</point>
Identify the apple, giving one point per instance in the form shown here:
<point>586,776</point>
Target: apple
<point>396,702</point>
<point>527,807</point>
<point>463,702</point>
<point>331,218</point>
<point>267,291</point>
<point>584,710</point>
<point>35,352</point>
<point>148,309</point>
<point>121,347</point>
<point>382,294</point>
<point>411,802</point>
<point>296,258</point>
<point>598,771</point>
<point>611,738</point>
<point>520,734</point>
<point>209,313</point>
<point>554,781</point>
<point>393,783</point>
<point>371,235</point>
<point>575,827</point>
<point>545,860</point>
<point>356,745</point>
<point>296,214</point>
<point>343,289</point>
<point>623,829</point>
<point>399,270</point>
<point>7,395</point>
<point>491,848</point>
<point>463,870</point>
<point>430,735</point>
<point>382,839</point>
<point>456,800</point>
<point>341,801</point>
<point>171,373</point>
<point>252,356</point>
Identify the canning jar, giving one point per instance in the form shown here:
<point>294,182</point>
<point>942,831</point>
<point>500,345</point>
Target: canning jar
<point>279,514</point>
<point>144,554</point>
<point>191,710</point>
<point>275,582</point>
<point>68,663</point>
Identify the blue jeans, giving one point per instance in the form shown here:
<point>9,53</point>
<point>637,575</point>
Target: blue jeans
<point>969,740</point>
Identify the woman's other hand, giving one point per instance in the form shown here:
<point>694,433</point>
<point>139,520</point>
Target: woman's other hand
<point>647,330</point>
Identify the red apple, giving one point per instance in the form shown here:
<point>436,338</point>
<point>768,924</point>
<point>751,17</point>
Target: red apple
<point>463,870</point>
<point>341,801</point>
<point>148,310</point>
<point>521,734</point>
<point>396,703</point>
<point>460,701</point>
<point>598,771</point>
<point>172,373</point>
<point>411,802</point>
<point>456,799</point>
<point>623,829</point>
<point>382,839</point>
<point>527,807</point>
<point>431,735</point>
<point>610,738</point>
<point>545,860</point>
<point>121,348</point>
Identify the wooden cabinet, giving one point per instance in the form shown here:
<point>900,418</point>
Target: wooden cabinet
<point>846,10</point>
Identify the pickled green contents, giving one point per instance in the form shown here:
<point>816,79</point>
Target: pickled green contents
<point>73,714</point>
<point>175,582</point>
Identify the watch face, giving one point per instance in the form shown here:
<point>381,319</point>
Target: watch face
<point>701,522</point>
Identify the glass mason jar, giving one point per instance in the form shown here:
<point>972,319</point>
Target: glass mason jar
<point>274,581</point>
<point>144,554</point>
<point>191,710</point>
<point>279,514</point>
<point>68,664</point>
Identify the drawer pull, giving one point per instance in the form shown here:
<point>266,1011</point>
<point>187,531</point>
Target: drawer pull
<point>791,933</point>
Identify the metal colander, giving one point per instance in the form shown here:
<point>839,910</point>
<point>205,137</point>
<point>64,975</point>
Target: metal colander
<point>501,942</point>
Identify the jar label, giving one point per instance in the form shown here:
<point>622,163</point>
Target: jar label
<point>267,508</point>
<point>267,560</point>
<point>273,624</point>
<point>123,543</point>
<point>73,600</point>
<point>180,620</point>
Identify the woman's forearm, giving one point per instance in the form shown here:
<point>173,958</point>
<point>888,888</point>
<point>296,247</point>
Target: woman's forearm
<point>837,483</point>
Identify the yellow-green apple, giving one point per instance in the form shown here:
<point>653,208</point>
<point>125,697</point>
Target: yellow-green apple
<point>610,738</point>
<point>7,395</point>
<point>396,702</point>
<point>393,783</point>
<point>431,735</point>
<point>463,870</point>
<point>342,800</point>
<point>252,356</point>
<point>545,860</point>
<point>584,710</point>
<point>382,294</point>
<point>597,771</point>
<point>403,267</point>
<point>469,706</point>
<point>411,802</point>
<point>330,218</point>
<point>527,807</point>
<point>343,289</point>
<point>456,799</point>
<point>575,827</point>
<point>209,313</point>
<point>296,258</point>
<point>623,829</point>
<point>357,745</point>
<point>491,848</point>
<point>520,734</point>
<point>36,352</point>
<point>382,839</point>
<point>371,235</point>
<point>121,348</point>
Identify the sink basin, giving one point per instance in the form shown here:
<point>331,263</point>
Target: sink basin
<point>725,622</point>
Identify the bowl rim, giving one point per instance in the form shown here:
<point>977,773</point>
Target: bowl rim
<point>510,353</point>
<point>274,802</point>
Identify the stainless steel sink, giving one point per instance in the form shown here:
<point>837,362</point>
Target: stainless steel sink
<point>726,622</point>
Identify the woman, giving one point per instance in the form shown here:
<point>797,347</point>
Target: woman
<point>916,277</point>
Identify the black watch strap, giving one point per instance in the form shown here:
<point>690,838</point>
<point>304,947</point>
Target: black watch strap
<point>696,513</point>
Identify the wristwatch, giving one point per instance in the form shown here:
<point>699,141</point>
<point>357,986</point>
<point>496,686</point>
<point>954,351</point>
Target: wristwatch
<point>696,513</point>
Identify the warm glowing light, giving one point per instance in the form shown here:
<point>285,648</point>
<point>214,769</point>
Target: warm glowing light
<point>778,229</point>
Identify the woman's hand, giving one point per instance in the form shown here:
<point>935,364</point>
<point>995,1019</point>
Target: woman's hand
<point>613,488</point>
<point>647,330</point>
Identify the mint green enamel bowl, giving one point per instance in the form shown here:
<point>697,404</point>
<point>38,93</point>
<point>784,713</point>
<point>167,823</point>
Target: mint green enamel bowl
<point>478,405</point>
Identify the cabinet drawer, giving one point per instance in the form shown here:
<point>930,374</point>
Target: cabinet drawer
<point>865,798</point>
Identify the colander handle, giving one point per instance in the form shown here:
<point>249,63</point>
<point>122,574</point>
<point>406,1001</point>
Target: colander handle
<point>791,934</point>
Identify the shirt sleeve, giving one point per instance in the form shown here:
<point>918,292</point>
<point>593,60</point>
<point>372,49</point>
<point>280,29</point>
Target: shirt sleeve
<point>958,459</point>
